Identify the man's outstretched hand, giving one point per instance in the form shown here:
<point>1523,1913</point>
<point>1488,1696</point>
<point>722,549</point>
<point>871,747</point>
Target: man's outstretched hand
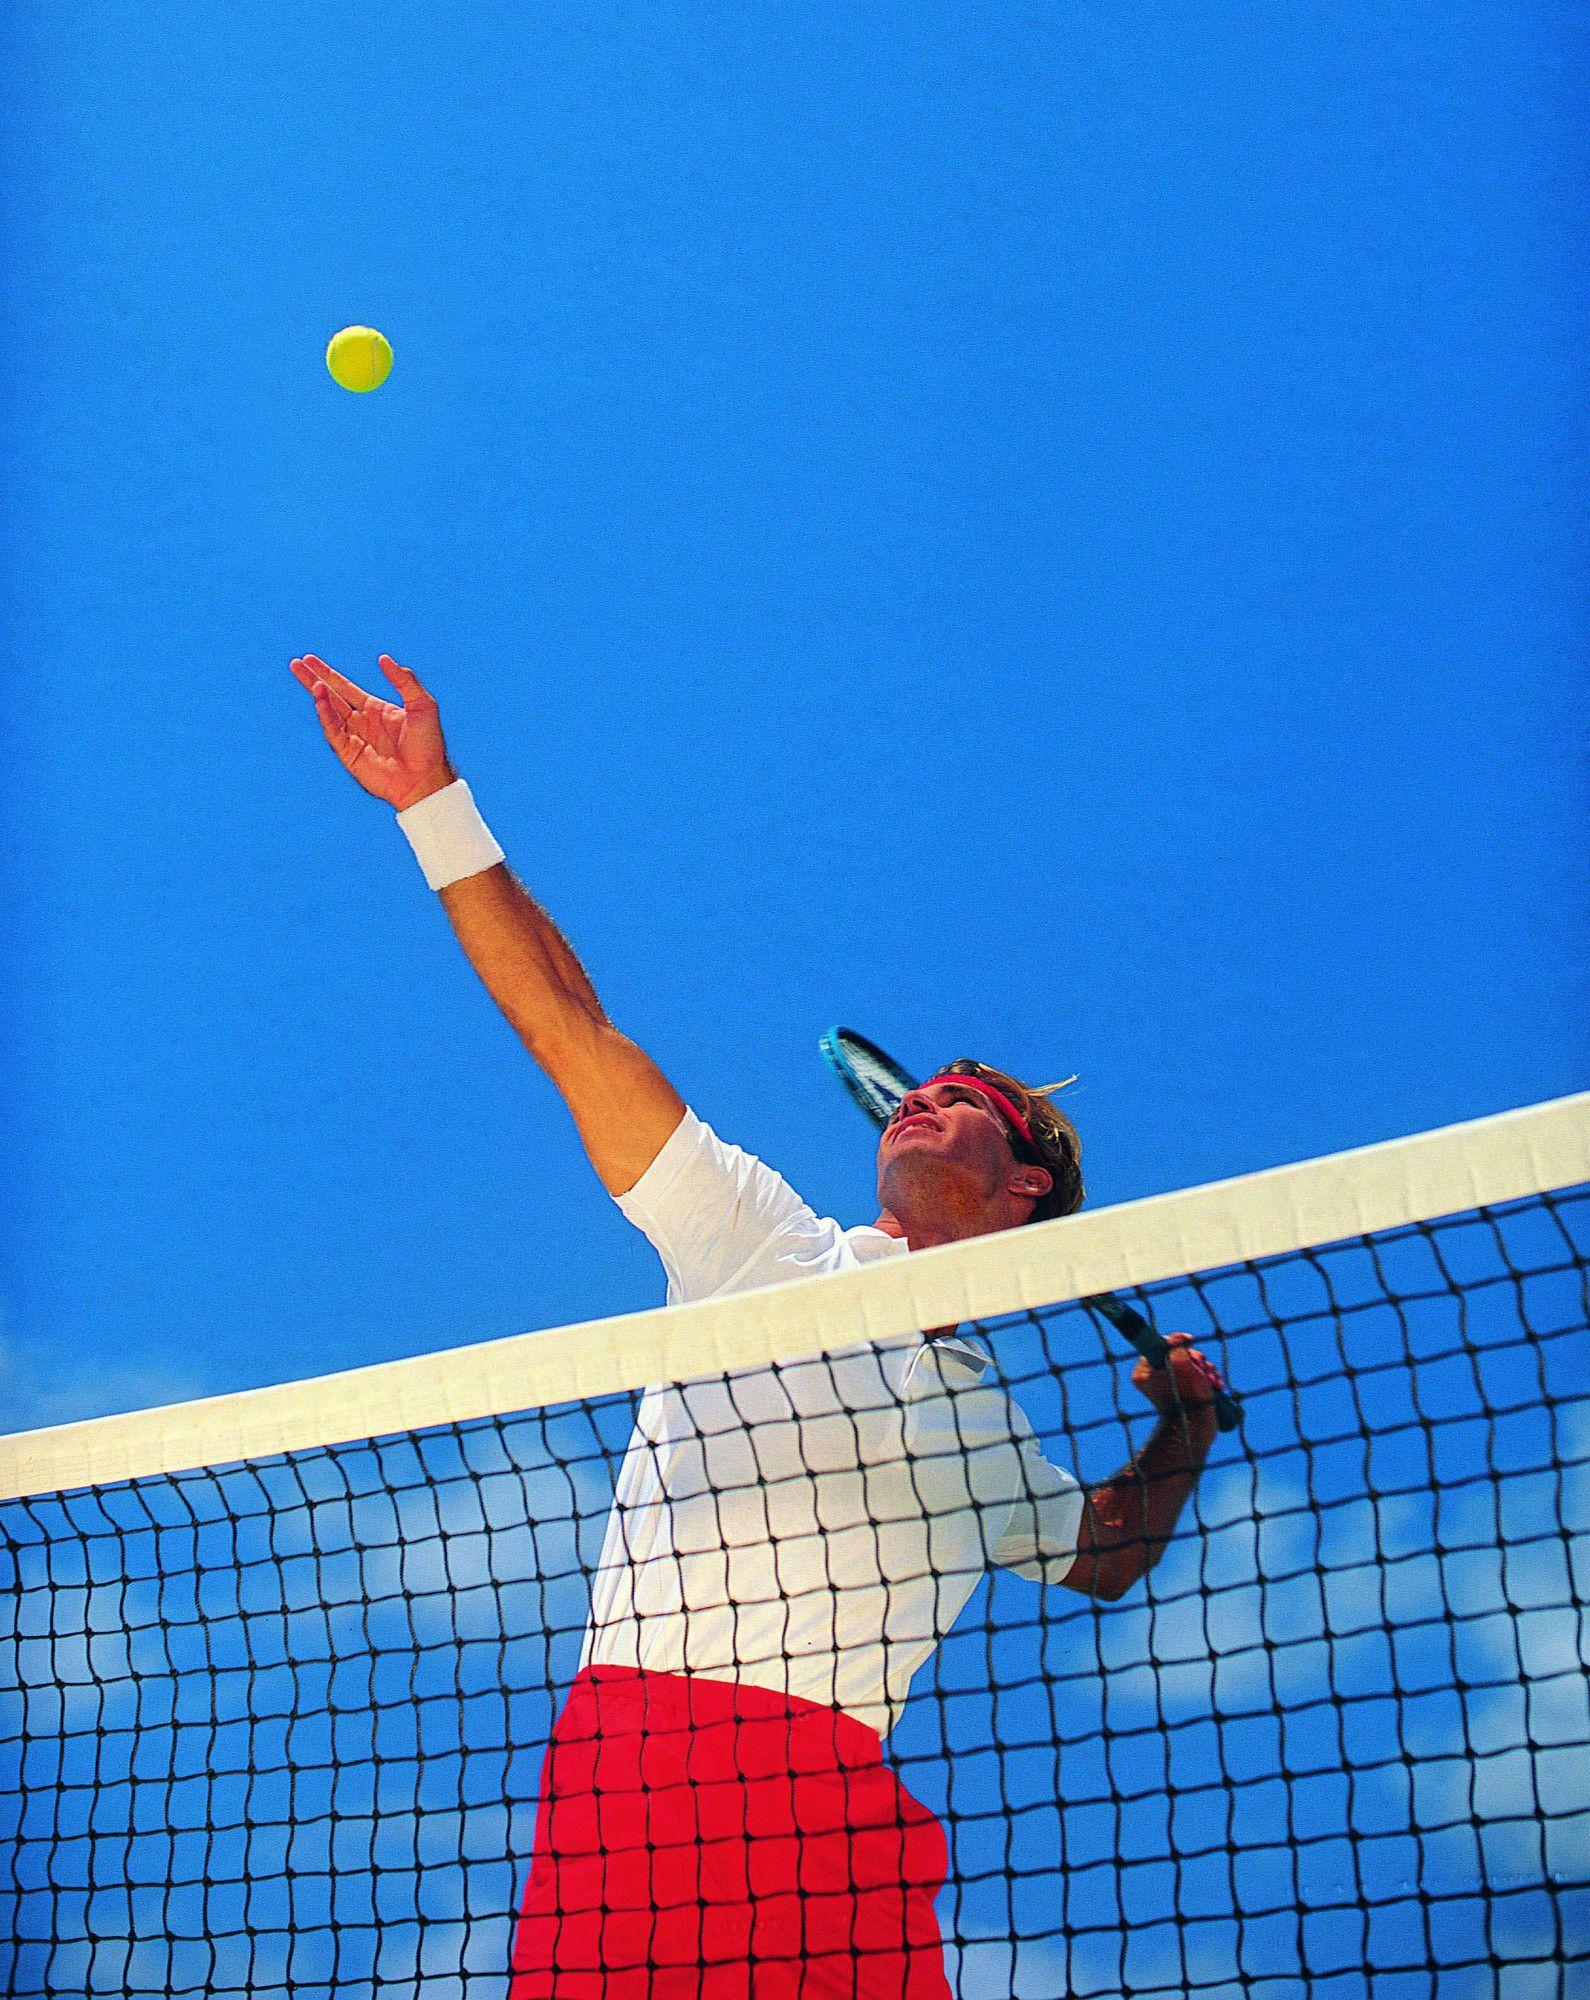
<point>394,749</point>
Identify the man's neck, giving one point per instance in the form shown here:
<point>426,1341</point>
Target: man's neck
<point>927,1232</point>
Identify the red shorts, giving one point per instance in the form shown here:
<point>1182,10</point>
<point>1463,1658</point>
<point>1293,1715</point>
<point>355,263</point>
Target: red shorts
<point>710,1840</point>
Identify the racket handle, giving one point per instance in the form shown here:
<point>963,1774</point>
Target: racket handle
<point>1154,1347</point>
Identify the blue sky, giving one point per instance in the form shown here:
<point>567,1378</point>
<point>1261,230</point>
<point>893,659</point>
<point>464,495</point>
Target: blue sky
<point>1058,539</point>
<point>1053,533</point>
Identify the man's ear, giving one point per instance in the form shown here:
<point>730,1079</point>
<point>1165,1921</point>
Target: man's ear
<point>1034,1182</point>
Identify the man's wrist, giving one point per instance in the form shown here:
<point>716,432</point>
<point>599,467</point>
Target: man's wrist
<point>429,787</point>
<point>1193,1426</point>
<point>449,838</point>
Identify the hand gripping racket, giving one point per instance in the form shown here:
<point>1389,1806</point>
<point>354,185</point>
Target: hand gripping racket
<point>877,1083</point>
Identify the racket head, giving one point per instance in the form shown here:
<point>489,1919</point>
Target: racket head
<point>874,1080</point>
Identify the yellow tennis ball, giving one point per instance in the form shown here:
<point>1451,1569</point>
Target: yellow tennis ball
<point>359,358</point>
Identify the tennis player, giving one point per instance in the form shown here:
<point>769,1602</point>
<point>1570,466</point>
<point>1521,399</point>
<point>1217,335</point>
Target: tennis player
<point>786,1546</point>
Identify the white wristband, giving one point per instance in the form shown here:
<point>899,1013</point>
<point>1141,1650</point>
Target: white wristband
<point>449,838</point>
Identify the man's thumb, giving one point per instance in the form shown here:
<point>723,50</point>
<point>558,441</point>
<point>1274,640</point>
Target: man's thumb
<point>406,683</point>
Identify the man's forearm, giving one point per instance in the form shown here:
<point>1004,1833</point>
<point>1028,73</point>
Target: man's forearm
<point>1132,1516</point>
<point>524,961</point>
<point>624,1107</point>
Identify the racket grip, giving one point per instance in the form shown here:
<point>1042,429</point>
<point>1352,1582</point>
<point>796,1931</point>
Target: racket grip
<point>1154,1347</point>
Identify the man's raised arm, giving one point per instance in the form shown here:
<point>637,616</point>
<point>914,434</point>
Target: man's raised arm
<point>623,1105</point>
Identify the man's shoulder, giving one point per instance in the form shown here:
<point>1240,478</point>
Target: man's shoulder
<point>724,1221</point>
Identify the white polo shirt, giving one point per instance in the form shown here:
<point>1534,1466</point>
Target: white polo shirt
<point>816,1528</point>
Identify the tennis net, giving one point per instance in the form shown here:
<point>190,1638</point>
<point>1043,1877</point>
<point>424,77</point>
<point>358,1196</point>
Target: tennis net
<point>278,1670</point>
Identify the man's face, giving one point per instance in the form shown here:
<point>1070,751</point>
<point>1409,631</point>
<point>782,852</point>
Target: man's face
<point>946,1133</point>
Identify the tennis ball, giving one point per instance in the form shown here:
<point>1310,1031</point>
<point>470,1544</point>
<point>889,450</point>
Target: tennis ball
<point>359,358</point>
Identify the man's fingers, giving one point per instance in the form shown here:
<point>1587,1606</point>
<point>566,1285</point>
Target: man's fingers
<point>333,719</point>
<point>1199,1381</point>
<point>341,709</point>
<point>1186,1376</point>
<point>1200,1360</point>
<point>406,683</point>
<point>341,726</point>
<point>316,669</point>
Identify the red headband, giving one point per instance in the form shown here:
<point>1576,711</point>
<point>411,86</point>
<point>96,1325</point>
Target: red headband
<point>994,1096</point>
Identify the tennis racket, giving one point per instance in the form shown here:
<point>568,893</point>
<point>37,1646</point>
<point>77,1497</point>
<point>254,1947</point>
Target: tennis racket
<point>877,1083</point>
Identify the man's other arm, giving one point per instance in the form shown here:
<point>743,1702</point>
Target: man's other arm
<point>1127,1522</point>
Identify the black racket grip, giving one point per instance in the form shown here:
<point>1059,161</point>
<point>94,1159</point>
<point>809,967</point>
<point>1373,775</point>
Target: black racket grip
<point>1153,1347</point>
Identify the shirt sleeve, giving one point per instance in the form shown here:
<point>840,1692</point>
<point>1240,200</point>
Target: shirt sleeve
<point>981,1441</point>
<point>1040,1538</point>
<point>722,1221</point>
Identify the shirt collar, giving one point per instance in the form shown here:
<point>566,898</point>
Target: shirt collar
<point>872,1245</point>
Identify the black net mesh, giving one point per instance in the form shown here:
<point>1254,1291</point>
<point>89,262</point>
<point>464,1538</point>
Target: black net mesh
<point>278,1728</point>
